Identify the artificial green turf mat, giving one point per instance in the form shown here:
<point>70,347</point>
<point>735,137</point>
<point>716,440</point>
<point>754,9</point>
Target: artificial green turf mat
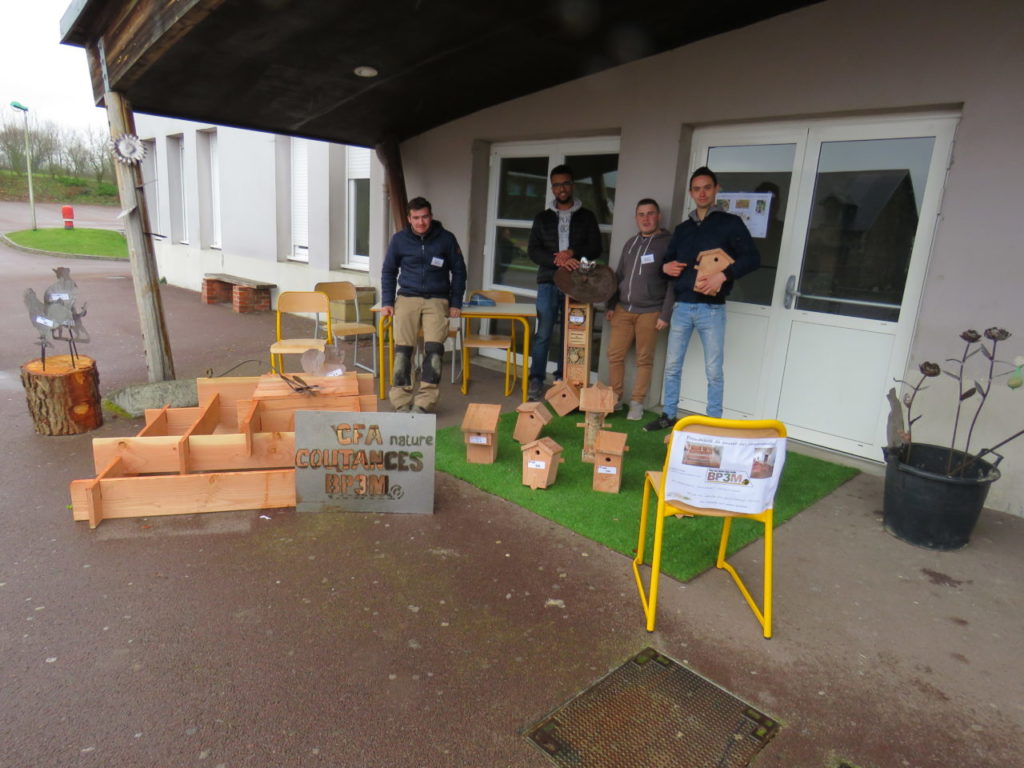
<point>613,520</point>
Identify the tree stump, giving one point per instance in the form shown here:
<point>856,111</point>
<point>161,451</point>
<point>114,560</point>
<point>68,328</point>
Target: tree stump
<point>63,400</point>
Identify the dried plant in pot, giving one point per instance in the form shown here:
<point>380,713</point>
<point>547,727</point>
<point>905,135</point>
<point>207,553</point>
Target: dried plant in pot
<point>934,494</point>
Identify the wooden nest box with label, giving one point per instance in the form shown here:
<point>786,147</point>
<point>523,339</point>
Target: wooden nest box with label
<point>540,462</point>
<point>480,431</point>
<point>609,450</point>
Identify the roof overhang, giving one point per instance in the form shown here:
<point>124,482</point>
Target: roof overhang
<point>289,66</point>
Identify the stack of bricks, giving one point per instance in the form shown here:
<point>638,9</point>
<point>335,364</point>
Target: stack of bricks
<point>216,291</point>
<point>247,299</point>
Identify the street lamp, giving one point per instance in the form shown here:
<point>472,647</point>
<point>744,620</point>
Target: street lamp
<point>28,161</point>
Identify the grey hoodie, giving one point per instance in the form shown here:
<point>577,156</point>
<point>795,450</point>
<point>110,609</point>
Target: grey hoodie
<point>643,287</point>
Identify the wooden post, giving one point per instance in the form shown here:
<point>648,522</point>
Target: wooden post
<point>140,247</point>
<point>63,399</point>
<point>390,157</point>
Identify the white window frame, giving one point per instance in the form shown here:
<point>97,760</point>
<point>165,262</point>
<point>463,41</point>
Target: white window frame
<point>215,218</point>
<point>357,166</point>
<point>556,152</point>
<point>299,241</point>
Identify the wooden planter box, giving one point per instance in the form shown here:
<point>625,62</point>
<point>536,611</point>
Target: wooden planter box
<point>235,450</point>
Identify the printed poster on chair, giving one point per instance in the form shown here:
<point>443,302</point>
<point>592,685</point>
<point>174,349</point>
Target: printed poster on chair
<point>732,474</point>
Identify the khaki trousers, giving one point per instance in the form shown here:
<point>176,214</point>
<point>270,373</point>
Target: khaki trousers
<point>627,327</point>
<point>412,314</point>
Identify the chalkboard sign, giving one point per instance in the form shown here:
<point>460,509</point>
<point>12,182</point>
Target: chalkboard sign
<point>364,462</point>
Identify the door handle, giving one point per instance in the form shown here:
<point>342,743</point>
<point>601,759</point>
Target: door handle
<point>792,294</point>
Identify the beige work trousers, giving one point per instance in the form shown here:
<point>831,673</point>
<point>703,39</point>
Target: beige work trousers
<point>627,327</point>
<point>412,314</point>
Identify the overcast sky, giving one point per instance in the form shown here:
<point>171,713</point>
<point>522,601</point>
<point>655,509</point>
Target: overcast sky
<point>51,79</point>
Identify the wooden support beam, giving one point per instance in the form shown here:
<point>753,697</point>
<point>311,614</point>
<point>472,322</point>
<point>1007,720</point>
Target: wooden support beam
<point>390,156</point>
<point>140,247</point>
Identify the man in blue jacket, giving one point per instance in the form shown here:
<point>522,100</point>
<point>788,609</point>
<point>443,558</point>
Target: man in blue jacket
<point>425,262</point>
<point>563,233</point>
<point>700,301</point>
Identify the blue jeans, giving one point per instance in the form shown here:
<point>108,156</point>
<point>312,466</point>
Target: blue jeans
<point>709,322</point>
<point>550,301</point>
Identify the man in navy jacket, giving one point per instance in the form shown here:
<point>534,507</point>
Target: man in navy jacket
<point>425,268</point>
<point>563,233</point>
<point>700,301</point>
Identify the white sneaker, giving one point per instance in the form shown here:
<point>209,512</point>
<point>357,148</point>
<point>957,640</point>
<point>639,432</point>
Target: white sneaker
<point>636,411</point>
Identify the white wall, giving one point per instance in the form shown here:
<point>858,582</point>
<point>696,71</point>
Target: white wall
<point>839,57</point>
<point>255,210</point>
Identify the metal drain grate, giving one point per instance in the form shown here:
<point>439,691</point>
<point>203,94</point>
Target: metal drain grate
<point>653,713</point>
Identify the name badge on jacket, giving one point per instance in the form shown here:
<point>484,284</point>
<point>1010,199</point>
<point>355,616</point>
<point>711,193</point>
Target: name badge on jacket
<point>647,258</point>
<point>437,261</point>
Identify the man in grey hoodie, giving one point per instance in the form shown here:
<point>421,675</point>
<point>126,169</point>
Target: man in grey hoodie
<point>641,306</point>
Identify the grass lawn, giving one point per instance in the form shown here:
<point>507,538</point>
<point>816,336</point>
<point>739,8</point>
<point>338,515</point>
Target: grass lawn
<point>90,242</point>
<point>613,519</point>
<point>57,189</point>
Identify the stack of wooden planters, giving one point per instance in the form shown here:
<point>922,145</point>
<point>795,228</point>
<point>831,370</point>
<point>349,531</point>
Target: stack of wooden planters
<point>234,451</point>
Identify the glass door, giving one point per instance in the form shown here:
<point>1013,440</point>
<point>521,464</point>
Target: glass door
<point>857,226</point>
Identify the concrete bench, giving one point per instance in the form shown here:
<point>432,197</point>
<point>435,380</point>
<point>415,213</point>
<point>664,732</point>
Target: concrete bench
<point>244,294</point>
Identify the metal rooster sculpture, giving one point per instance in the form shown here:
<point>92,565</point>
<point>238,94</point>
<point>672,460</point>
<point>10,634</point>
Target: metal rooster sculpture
<point>56,316</point>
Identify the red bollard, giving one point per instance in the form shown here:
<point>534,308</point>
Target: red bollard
<point>68,214</point>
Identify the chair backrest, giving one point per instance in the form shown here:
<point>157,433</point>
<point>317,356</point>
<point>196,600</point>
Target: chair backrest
<point>314,302</point>
<point>732,465</point>
<point>500,297</point>
<point>342,290</point>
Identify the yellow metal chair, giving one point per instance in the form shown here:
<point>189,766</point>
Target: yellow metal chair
<point>340,293</point>
<point>704,425</point>
<point>490,341</point>
<point>312,302</point>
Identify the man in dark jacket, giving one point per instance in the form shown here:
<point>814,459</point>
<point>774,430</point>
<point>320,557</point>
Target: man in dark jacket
<point>425,262</point>
<point>640,307</point>
<point>700,300</point>
<point>562,234</point>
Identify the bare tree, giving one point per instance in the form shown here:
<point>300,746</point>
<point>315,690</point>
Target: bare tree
<point>100,161</point>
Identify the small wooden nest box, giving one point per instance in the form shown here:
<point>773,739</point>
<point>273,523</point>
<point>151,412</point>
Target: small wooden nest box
<point>609,449</point>
<point>563,397</point>
<point>531,420</point>
<point>480,431</point>
<point>540,462</point>
<point>599,398</point>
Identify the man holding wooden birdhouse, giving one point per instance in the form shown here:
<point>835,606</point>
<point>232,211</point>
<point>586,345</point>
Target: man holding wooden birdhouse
<point>708,252</point>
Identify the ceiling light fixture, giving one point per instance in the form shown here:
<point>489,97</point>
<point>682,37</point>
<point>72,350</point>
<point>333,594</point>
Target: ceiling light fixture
<point>365,71</point>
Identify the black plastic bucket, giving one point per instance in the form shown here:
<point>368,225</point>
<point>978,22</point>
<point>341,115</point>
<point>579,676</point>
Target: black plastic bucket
<point>926,507</point>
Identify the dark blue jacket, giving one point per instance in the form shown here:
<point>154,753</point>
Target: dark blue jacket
<point>428,266</point>
<point>718,230</point>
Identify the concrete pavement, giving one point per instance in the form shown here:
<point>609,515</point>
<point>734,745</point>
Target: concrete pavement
<point>278,639</point>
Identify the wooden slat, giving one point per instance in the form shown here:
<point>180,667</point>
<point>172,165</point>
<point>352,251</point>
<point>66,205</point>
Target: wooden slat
<point>87,495</point>
<point>207,453</point>
<point>156,422</point>
<point>141,455</point>
<point>188,494</point>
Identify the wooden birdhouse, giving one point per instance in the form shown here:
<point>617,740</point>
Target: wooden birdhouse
<point>540,462</point>
<point>563,397</point>
<point>596,402</point>
<point>531,420</point>
<point>480,431</point>
<point>609,451</point>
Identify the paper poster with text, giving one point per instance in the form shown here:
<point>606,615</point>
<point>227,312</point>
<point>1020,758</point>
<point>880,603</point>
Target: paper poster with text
<point>752,207</point>
<point>727,473</point>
